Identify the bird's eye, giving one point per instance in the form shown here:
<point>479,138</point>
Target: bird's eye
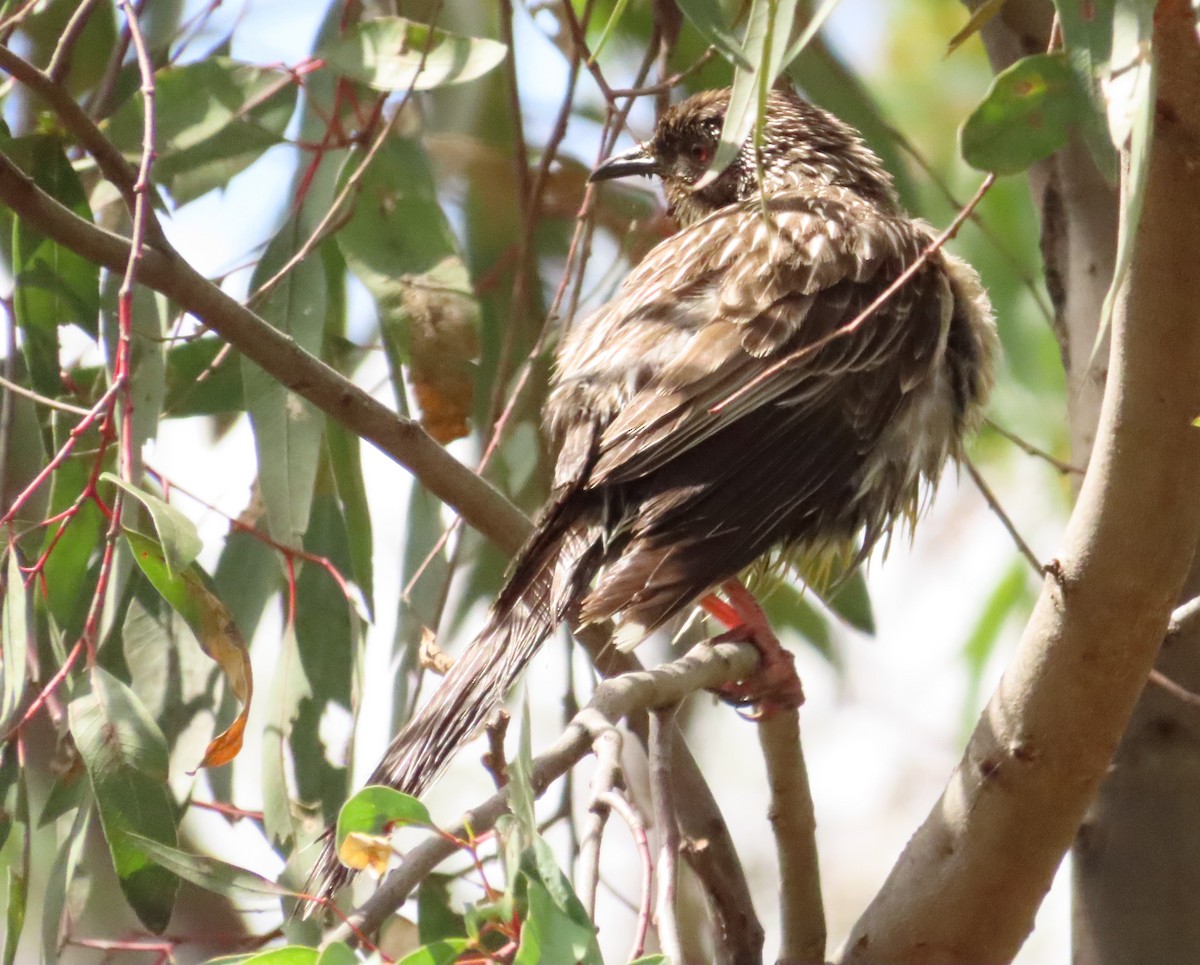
<point>700,153</point>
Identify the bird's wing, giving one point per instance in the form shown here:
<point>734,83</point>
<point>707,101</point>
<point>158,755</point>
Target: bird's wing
<point>738,293</point>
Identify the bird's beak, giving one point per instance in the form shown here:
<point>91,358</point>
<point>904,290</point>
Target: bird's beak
<point>640,160</point>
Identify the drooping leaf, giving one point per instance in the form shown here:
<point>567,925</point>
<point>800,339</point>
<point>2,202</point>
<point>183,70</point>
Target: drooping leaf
<point>851,600</point>
<point>192,595</point>
<point>786,607</point>
<point>287,428</point>
<point>768,27</point>
<point>53,285</point>
<point>58,886</point>
<point>211,874</point>
<point>1025,116</point>
<point>126,760</point>
<point>399,244</point>
<point>15,631</point>
<point>345,458</point>
<point>1087,37</point>
<point>177,536</point>
<point>16,797</point>
<point>549,934</point>
<point>214,118</point>
<point>708,17</point>
<point>393,53</point>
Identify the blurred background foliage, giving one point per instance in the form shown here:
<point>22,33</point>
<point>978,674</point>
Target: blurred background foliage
<point>457,258</point>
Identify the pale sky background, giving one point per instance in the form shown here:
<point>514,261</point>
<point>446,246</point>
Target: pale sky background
<point>881,740</point>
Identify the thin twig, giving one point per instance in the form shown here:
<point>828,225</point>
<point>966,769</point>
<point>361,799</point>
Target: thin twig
<point>1031,450</point>
<point>60,60</point>
<point>1184,618</point>
<point>994,505</point>
<point>662,741</point>
<point>17,389</point>
<point>624,809</point>
<point>607,776</point>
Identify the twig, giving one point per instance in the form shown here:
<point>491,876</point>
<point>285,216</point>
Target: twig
<point>607,748</point>
<point>662,740</point>
<point>994,505</point>
<point>1184,618</point>
<point>495,762</point>
<point>1031,450</point>
<point>707,844</point>
<point>111,162</point>
<point>60,60</point>
<point>19,389</point>
<point>801,911</point>
<point>703,667</point>
<point>1177,690</point>
<point>617,802</point>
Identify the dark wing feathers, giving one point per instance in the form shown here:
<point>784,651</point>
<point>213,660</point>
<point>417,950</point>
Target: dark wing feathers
<point>710,484</point>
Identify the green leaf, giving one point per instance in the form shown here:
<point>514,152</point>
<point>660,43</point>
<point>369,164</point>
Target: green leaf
<point>211,874</point>
<point>214,118</point>
<point>68,577</point>
<point>178,540</point>
<point>393,53</point>
<point>708,17</point>
<point>14,641</point>
<point>1025,116</point>
<point>436,918</point>
<point>288,955</point>
<point>1009,596</point>
<point>53,286</point>
<point>12,777</point>
<point>289,689</point>
<point>376,809</point>
<point>192,595</point>
<point>549,934</point>
<point>767,30</point>
<point>345,459</point>
<point>1088,36</point>
<point>287,428</point>
<point>18,897</point>
<point>787,606</point>
<point>58,887</point>
<point>337,953</point>
<point>126,761</point>
<point>399,244</point>
<point>851,600</point>
<point>444,952</point>
<point>197,384</point>
<point>651,960</point>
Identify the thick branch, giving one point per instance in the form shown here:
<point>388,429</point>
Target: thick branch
<point>969,882</point>
<point>703,667</point>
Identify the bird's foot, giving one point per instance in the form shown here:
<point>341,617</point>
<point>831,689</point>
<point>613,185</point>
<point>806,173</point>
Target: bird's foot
<point>774,686</point>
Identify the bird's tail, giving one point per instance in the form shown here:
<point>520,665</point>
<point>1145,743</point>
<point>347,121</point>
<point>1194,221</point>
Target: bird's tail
<point>541,587</point>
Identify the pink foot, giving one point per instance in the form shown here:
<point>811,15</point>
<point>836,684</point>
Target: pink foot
<point>775,685</point>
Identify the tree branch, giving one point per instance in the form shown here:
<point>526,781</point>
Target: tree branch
<point>794,823</point>
<point>165,271</point>
<point>703,667</point>
<point>969,882</point>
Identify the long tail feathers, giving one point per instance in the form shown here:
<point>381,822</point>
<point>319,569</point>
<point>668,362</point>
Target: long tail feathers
<point>541,587</point>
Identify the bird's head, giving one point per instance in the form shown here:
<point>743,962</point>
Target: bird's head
<point>801,144</point>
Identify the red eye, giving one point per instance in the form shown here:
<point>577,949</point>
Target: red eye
<point>701,153</point>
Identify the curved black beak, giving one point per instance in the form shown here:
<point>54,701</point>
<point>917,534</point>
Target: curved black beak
<point>640,160</point>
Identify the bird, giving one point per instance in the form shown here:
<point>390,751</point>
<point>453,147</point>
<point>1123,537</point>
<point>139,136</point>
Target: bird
<point>790,371</point>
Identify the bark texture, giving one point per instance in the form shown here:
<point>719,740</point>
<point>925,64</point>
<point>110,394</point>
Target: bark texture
<point>969,883</point>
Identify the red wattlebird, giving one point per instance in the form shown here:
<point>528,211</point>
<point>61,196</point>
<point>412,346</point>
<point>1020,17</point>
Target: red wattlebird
<point>742,393</point>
